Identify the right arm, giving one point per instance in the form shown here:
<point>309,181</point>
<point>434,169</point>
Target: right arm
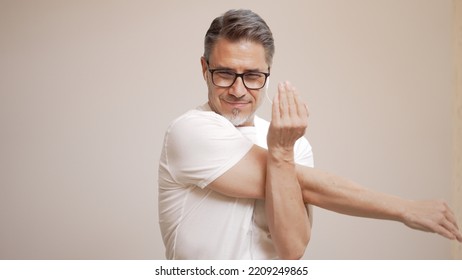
<point>347,197</point>
<point>331,192</point>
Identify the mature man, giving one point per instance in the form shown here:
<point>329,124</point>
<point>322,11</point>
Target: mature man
<point>233,186</point>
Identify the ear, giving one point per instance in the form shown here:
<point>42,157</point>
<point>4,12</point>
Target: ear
<point>204,67</point>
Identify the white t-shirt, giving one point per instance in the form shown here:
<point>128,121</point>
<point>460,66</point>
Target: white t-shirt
<point>195,221</point>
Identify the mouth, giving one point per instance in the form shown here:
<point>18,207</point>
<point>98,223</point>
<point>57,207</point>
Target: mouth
<point>237,103</point>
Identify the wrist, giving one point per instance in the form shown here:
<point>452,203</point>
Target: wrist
<point>400,211</point>
<point>281,154</point>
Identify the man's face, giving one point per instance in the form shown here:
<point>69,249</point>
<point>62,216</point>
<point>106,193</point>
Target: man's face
<point>237,103</point>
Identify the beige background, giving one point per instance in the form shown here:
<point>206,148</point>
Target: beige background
<point>87,89</point>
<point>457,130</point>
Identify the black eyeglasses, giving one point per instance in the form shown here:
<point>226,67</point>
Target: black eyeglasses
<point>225,78</point>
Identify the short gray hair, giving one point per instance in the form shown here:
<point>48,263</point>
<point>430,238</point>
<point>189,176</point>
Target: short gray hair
<point>236,25</point>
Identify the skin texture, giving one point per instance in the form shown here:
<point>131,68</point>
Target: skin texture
<point>287,219</point>
<point>287,216</point>
<point>272,174</point>
<point>237,103</point>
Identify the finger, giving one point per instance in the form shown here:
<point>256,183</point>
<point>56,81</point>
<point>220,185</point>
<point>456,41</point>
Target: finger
<point>283,102</point>
<point>451,228</point>
<point>451,217</point>
<point>302,108</point>
<point>296,104</point>
<point>444,232</point>
<point>291,100</point>
<point>276,113</point>
<point>459,236</point>
<point>451,223</point>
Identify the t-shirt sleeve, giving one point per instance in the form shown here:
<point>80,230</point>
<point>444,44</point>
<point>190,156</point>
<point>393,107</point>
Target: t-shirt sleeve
<point>201,146</point>
<point>304,153</point>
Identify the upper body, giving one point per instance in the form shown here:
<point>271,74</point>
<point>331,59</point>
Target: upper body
<point>197,222</point>
<point>238,52</point>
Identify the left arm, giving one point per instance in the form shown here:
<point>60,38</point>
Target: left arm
<point>288,221</point>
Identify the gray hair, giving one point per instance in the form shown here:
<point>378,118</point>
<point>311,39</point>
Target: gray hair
<point>236,25</point>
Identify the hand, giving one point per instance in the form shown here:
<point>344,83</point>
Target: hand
<point>432,216</point>
<point>289,118</point>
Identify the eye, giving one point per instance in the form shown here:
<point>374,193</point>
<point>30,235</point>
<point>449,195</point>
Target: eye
<point>252,76</point>
<point>222,74</point>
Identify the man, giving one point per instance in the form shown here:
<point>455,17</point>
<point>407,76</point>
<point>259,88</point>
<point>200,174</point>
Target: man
<point>233,186</point>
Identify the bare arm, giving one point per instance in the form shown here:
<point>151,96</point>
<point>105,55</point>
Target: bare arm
<point>287,217</point>
<point>347,197</point>
<point>249,178</point>
<point>341,195</point>
<point>272,175</point>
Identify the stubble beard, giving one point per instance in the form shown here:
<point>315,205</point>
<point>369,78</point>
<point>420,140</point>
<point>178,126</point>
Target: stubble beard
<point>236,118</point>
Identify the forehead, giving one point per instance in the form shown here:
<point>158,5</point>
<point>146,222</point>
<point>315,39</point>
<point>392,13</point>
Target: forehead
<point>238,55</point>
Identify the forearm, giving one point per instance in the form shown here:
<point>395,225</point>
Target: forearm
<point>344,196</point>
<point>287,216</point>
<point>248,180</point>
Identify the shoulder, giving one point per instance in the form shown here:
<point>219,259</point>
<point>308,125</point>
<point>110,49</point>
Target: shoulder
<point>199,116</point>
<point>201,130</point>
<point>201,145</point>
<point>195,121</point>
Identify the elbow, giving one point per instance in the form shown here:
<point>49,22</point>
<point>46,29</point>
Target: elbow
<point>297,251</point>
<point>296,254</point>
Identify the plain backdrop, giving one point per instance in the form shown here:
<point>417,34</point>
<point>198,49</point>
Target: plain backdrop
<point>87,89</point>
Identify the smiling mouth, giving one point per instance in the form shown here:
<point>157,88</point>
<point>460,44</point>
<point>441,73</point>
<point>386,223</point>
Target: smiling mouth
<point>236,102</point>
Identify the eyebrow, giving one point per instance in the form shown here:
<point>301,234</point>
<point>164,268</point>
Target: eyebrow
<point>231,69</point>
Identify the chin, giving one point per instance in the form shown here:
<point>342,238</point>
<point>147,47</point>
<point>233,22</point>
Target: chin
<point>237,118</point>
<point>236,121</point>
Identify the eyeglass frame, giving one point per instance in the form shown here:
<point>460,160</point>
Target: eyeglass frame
<point>237,75</point>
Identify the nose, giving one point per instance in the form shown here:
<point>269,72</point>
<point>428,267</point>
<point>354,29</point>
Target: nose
<point>238,89</point>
